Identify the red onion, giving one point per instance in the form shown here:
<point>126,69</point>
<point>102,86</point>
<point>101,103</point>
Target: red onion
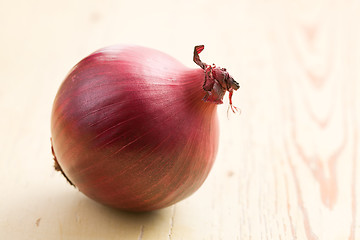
<point>130,129</point>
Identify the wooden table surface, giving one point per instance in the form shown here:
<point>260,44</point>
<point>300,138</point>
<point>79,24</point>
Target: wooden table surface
<point>288,166</point>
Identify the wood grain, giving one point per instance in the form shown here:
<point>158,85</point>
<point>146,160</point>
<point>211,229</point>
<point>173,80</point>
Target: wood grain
<point>287,166</point>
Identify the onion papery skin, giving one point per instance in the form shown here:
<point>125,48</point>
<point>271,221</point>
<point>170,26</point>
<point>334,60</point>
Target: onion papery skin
<point>130,130</point>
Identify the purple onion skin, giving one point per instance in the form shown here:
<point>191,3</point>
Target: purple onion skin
<point>130,129</point>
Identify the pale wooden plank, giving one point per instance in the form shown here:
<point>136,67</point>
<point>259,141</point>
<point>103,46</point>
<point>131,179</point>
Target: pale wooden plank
<point>287,167</point>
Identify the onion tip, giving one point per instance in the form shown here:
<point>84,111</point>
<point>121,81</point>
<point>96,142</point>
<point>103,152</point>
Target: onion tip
<point>217,81</point>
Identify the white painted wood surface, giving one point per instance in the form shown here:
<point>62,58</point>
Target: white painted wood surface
<point>288,166</point>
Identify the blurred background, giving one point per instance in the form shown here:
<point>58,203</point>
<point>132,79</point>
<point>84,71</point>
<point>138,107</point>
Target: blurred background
<point>288,165</point>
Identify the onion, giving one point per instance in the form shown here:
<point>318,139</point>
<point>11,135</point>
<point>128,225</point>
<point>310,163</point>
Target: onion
<point>130,129</point>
